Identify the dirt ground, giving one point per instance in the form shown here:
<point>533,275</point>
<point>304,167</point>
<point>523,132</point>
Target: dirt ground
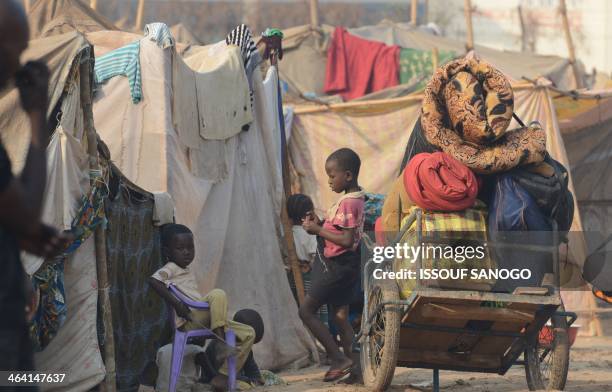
<point>590,371</point>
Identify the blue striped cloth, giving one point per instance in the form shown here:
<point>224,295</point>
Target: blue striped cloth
<point>123,61</point>
<point>160,33</point>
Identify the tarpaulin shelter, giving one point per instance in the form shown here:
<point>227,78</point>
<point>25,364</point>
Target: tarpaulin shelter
<point>585,121</point>
<point>49,17</point>
<point>378,130</point>
<point>74,350</point>
<point>305,57</point>
<point>227,191</point>
<point>182,34</point>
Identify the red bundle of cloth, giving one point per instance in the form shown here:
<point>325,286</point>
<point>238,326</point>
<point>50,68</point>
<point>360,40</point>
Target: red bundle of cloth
<point>439,182</point>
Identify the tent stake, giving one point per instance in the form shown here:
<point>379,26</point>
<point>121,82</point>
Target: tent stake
<point>467,8</point>
<point>109,384</point>
<point>570,43</point>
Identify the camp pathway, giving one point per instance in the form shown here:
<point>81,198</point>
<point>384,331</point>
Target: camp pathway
<point>590,370</point>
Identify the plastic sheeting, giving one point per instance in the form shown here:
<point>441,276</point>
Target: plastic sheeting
<point>233,220</point>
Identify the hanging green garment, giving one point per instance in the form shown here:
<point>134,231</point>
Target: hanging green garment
<point>416,65</point>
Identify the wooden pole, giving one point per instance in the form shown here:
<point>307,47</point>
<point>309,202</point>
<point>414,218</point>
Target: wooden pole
<point>435,58</point>
<point>139,16</point>
<point>94,5</point>
<point>109,384</point>
<point>467,9</point>
<point>413,12</point>
<point>287,224</point>
<point>26,6</point>
<point>570,43</point>
<point>523,32</point>
<point>288,229</point>
<point>314,14</point>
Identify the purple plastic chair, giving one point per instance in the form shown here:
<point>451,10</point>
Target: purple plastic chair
<point>181,337</point>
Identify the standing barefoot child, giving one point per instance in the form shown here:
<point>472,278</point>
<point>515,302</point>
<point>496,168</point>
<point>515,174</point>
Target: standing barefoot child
<point>336,272</point>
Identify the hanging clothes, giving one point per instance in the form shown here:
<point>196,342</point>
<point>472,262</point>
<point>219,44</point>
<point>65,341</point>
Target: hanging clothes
<point>160,33</point>
<point>124,61</point>
<point>416,66</point>
<point>241,36</point>
<point>356,66</point>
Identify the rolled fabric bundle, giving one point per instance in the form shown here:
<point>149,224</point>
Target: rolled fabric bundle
<point>439,182</point>
<point>467,108</point>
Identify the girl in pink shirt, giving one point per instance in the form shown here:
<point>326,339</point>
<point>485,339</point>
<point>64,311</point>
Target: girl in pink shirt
<point>336,271</point>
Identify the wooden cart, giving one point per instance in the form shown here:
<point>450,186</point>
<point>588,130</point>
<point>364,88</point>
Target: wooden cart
<point>462,330</point>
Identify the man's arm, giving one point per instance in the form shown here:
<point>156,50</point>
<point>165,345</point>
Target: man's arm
<point>21,199</point>
<point>33,81</point>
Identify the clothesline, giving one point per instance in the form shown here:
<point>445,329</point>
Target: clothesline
<point>389,103</point>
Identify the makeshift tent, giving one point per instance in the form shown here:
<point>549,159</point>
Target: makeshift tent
<point>223,189</point>
<point>49,17</point>
<point>305,57</point>
<point>586,126</point>
<point>183,35</point>
<point>74,350</point>
<point>379,130</point>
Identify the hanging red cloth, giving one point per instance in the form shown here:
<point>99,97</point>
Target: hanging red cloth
<point>439,182</point>
<point>357,66</point>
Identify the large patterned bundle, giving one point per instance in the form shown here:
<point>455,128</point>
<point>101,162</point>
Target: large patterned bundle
<point>466,112</point>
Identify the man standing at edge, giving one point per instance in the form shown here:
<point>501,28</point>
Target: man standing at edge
<point>21,197</point>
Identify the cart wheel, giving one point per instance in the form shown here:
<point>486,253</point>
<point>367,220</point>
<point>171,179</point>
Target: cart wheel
<point>380,345</point>
<point>547,357</point>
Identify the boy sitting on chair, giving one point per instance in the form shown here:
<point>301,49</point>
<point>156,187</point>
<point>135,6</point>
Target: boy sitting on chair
<point>178,251</point>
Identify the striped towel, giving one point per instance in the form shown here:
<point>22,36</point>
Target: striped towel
<point>123,61</point>
<point>241,36</point>
<point>160,33</point>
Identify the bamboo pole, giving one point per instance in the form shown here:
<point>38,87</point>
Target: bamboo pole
<point>109,384</point>
<point>94,5</point>
<point>467,9</point>
<point>413,12</point>
<point>139,16</point>
<point>570,43</point>
<point>314,14</point>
